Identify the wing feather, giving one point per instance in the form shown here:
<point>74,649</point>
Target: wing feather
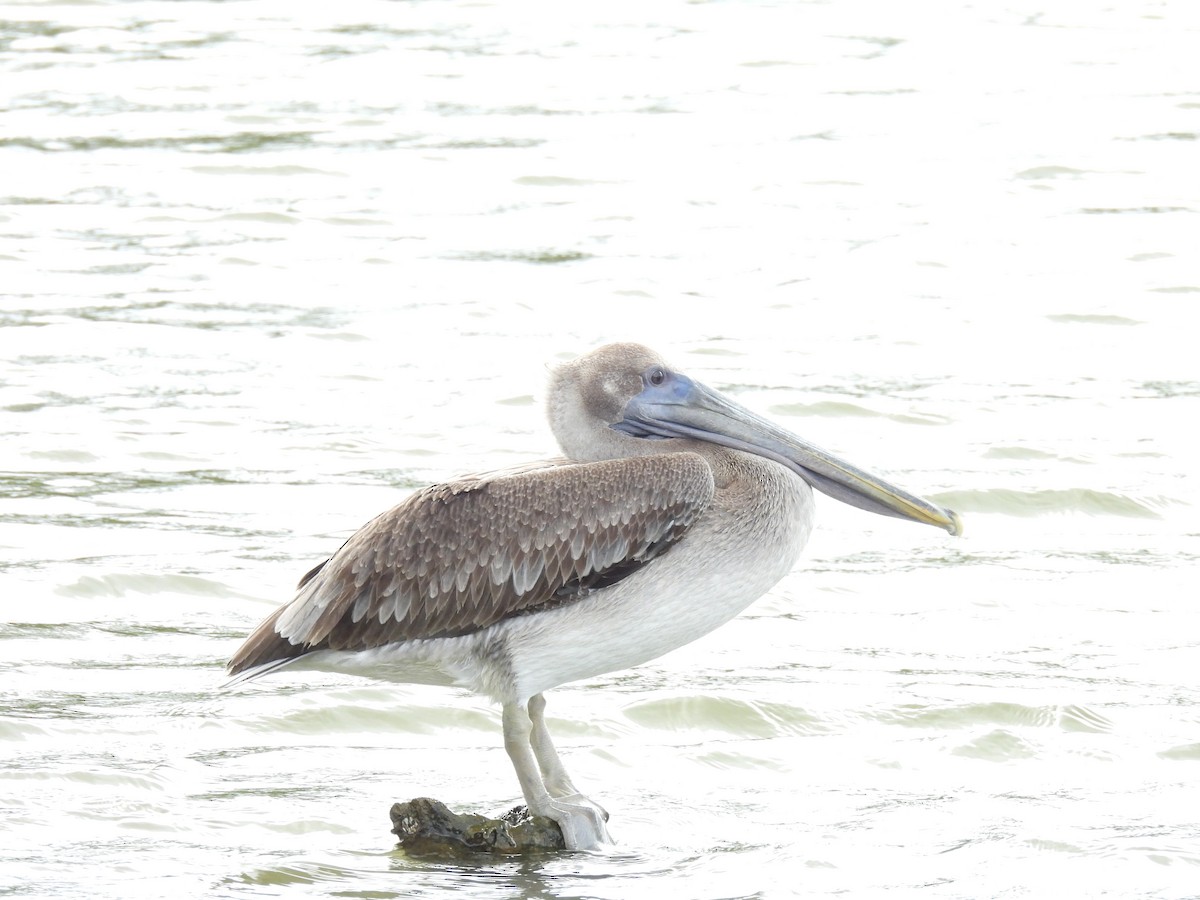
<point>455,558</point>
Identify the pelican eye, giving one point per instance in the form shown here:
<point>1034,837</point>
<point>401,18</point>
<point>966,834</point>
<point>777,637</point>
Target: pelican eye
<point>656,376</point>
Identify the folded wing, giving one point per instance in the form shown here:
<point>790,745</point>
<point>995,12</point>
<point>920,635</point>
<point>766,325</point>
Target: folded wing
<point>455,558</point>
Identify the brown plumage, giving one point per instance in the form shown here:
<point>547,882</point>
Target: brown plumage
<point>457,557</point>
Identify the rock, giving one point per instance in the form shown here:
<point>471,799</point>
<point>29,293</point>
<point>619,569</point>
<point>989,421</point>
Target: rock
<point>428,828</point>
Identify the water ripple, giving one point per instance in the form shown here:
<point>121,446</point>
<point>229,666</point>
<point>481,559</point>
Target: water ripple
<point>1030,503</point>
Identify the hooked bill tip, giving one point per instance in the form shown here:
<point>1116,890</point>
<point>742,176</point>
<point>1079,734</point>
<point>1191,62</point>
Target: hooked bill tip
<point>956,523</point>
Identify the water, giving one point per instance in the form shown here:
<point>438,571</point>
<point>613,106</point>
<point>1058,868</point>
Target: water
<point>267,266</point>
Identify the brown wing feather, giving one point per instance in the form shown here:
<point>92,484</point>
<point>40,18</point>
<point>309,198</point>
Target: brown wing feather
<point>457,557</point>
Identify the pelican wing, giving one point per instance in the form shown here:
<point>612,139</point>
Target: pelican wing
<point>457,557</point>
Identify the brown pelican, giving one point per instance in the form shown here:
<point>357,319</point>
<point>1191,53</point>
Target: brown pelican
<point>671,511</point>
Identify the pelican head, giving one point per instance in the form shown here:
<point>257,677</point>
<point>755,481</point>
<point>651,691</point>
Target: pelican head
<point>630,390</point>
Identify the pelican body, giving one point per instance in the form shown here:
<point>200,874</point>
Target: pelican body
<point>671,510</point>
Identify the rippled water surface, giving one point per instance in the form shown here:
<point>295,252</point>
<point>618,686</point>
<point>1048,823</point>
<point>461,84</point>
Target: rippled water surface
<point>266,266</point>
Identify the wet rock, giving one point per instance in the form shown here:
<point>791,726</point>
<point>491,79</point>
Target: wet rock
<point>427,827</point>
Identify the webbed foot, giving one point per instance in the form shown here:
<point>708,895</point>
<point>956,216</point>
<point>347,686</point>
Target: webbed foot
<point>582,822</point>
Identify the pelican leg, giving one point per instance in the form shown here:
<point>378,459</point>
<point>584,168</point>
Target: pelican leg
<point>556,779</point>
<point>581,821</point>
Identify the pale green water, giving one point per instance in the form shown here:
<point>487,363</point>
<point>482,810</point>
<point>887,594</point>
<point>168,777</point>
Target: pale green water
<point>266,266</point>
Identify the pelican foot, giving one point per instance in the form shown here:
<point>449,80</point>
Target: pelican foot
<point>581,822</point>
<point>577,799</point>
